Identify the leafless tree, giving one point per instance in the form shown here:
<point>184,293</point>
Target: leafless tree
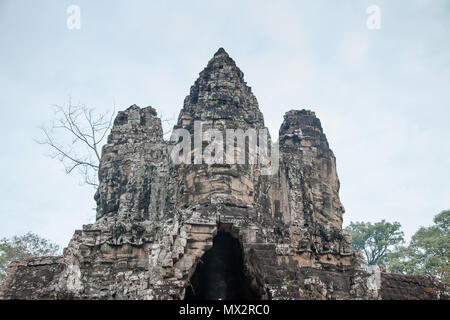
<point>75,137</point>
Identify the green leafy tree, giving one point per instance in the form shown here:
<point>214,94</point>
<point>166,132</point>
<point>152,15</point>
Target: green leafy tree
<point>427,253</point>
<point>22,247</point>
<point>374,240</point>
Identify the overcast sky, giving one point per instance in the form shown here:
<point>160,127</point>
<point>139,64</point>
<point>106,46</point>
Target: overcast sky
<point>383,96</point>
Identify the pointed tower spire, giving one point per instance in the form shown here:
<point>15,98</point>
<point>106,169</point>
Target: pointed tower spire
<point>221,51</point>
<point>222,60</point>
<point>220,92</point>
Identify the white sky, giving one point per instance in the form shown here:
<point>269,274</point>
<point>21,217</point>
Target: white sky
<point>383,96</point>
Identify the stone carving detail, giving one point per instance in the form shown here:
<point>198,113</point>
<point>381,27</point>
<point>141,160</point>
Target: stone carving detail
<point>155,220</point>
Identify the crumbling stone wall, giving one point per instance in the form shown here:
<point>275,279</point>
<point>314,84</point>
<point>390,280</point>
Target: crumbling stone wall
<point>156,219</point>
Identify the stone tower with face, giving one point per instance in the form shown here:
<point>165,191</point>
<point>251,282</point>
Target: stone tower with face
<point>219,231</point>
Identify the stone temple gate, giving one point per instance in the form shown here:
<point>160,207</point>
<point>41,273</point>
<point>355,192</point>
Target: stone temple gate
<point>197,231</point>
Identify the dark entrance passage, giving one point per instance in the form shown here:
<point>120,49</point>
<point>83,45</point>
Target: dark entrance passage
<point>220,273</point>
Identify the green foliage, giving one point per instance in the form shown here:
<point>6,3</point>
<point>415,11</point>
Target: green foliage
<point>215,103</point>
<point>286,282</point>
<point>445,269</point>
<point>23,247</point>
<point>374,240</point>
<point>428,252</point>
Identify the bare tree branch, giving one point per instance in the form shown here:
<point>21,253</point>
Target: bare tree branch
<point>75,136</point>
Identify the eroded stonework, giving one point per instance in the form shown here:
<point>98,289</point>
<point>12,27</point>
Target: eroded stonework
<point>155,220</point>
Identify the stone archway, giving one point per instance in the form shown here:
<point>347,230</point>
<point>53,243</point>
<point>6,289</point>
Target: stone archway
<point>219,274</point>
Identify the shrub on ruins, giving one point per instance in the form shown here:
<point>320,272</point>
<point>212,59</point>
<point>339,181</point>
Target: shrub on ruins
<point>375,239</point>
<point>427,253</point>
<point>23,247</point>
